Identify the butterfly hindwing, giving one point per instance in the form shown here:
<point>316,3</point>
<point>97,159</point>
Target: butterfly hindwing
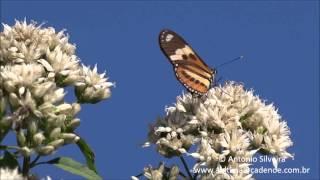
<point>192,81</point>
<point>190,69</point>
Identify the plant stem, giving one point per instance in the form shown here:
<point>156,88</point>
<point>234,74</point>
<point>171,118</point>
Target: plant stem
<point>32,164</point>
<point>4,147</point>
<point>195,175</point>
<point>39,163</point>
<point>26,166</point>
<point>186,167</point>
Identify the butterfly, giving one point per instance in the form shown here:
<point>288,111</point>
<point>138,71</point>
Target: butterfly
<point>189,68</point>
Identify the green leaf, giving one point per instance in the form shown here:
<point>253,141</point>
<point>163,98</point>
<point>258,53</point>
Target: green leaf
<point>9,161</point>
<point>88,154</point>
<point>3,131</point>
<point>74,167</point>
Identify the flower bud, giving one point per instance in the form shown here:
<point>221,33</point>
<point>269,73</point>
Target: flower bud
<point>74,123</point>
<point>158,173</point>
<point>195,155</point>
<point>32,127</point>
<point>41,90</point>
<point>64,108</point>
<point>76,108</point>
<point>261,130</point>
<point>38,113</point>
<point>174,173</point>
<point>45,150</point>
<point>25,151</point>
<point>51,75</point>
<point>22,90</point>
<point>93,93</point>
<point>56,143</point>
<point>76,139</point>
<point>21,138</point>
<point>9,86</point>
<point>203,133</point>
<point>182,150</point>
<point>5,122</point>
<point>38,138</point>
<point>59,120</point>
<point>14,100</point>
<point>55,133</point>
<point>146,144</point>
<point>69,137</point>
<point>2,105</point>
<point>46,65</point>
<point>134,178</point>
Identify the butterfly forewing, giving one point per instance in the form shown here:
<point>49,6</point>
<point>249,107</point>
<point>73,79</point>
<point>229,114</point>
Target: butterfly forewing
<point>190,69</point>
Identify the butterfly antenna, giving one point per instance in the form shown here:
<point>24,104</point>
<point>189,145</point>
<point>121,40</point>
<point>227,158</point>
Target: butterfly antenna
<point>231,61</point>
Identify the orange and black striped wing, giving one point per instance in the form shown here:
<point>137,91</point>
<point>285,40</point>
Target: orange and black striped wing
<point>195,82</point>
<point>190,69</point>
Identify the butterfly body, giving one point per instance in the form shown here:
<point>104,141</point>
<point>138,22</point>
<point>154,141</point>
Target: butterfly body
<point>189,68</point>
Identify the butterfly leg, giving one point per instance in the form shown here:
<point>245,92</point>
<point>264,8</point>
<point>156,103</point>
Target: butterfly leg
<point>217,81</point>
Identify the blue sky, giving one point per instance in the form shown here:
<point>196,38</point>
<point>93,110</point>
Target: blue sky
<point>280,42</point>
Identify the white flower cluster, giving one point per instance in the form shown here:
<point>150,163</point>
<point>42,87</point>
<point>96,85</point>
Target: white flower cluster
<point>10,174</point>
<point>162,172</point>
<point>36,64</point>
<point>229,122</point>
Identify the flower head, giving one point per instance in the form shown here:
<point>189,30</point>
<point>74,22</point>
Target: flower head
<point>36,64</point>
<point>162,172</point>
<point>93,87</point>
<point>228,122</point>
